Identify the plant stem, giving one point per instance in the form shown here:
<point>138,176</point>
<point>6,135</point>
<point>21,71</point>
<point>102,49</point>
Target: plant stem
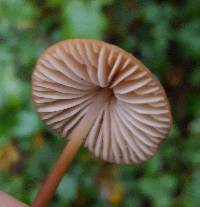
<point>76,139</point>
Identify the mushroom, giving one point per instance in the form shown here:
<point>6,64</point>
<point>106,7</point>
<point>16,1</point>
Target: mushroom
<point>9,201</point>
<point>96,94</point>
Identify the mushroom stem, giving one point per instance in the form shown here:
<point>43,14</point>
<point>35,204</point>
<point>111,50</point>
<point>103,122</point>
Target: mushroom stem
<point>76,139</point>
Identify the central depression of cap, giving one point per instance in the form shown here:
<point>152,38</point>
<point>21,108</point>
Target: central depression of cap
<point>134,121</point>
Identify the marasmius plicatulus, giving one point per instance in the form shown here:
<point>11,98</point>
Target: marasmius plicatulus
<point>96,94</point>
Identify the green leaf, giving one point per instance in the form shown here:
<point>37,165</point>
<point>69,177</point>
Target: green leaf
<point>159,189</point>
<point>28,123</point>
<point>193,190</point>
<point>195,76</point>
<point>84,19</point>
<point>68,188</point>
<point>154,13</point>
<point>188,38</point>
<point>20,14</point>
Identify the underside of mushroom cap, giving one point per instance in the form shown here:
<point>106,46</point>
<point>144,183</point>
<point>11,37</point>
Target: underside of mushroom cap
<point>134,121</point>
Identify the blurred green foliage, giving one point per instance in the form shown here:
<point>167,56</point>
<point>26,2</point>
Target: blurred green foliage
<point>165,35</point>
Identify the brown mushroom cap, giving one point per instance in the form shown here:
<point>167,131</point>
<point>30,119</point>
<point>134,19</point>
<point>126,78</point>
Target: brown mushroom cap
<point>131,125</point>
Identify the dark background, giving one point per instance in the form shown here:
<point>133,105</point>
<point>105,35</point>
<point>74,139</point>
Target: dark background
<point>165,36</point>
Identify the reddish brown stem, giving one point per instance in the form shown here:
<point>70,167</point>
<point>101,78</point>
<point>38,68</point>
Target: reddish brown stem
<point>76,138</point>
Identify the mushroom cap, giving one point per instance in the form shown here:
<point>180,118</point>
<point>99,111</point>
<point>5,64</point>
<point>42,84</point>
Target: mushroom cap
<point>134,121</point>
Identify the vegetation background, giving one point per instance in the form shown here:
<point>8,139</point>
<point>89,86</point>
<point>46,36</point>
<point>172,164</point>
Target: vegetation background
<point>165,35</point>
